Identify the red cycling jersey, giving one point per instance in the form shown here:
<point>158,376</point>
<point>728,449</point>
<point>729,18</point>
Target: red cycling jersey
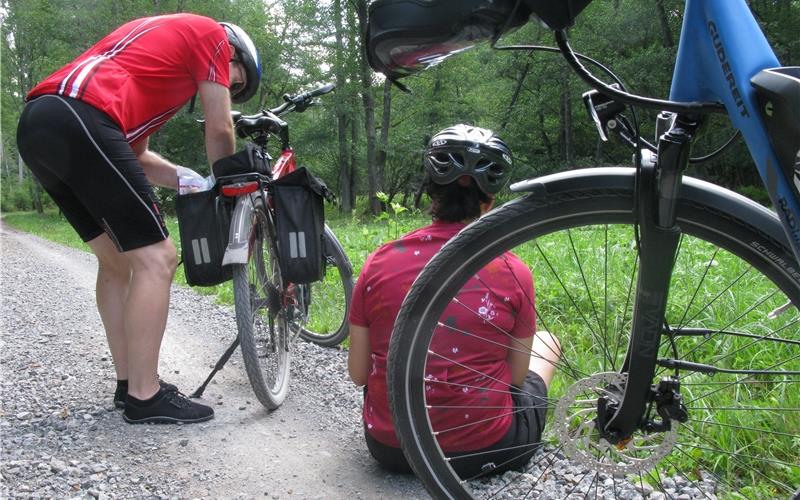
<point>490,313</point>
<point>144,71</point>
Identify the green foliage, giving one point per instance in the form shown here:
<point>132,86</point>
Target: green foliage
<point>390,216</point>
<point>756,193</point>
<point>531,99</point>
<point>19,196</point>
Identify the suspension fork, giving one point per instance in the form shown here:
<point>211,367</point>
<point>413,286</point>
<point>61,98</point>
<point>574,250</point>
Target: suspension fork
<point>657,188</point>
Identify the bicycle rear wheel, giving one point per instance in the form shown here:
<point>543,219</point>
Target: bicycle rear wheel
<point>326,303</point>
<point>733,304</point>
<point>261,314</point>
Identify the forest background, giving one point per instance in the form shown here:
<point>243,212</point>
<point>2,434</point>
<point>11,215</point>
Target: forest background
<point>365,140</point>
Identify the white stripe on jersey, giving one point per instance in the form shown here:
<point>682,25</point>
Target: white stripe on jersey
<point>76,68</point>
<point>154,122</point>
<point>76,85</point>
<point>95,60</point>
<point>212,72</point>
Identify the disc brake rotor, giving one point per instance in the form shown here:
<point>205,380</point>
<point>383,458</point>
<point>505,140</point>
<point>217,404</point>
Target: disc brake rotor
<point>574,422</point>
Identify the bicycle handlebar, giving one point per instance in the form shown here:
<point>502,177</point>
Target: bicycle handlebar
<point>269,121</point>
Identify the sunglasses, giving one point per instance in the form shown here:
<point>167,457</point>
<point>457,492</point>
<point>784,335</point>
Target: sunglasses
<point>237,87</point>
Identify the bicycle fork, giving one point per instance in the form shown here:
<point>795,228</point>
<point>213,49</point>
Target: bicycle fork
<point>657,187</point>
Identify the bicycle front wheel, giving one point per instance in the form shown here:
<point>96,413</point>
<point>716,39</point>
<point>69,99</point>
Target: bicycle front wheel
<point>261,314</point>
<point>733,305</point>
<point>327,302</point>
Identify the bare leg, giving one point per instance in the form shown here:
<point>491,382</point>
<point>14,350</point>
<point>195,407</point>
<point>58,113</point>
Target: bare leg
<point>134,310</point>
<point>146,311</point>
<point>111,293</point>
<point>545,353</point>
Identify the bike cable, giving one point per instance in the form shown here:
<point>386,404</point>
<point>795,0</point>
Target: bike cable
<point>634,126</point>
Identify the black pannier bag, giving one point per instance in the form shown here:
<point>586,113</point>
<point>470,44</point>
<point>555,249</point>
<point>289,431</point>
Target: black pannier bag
<point>203,221</point>
<point>251,159</point>
<point>406,36</point>
<point>300,214</point>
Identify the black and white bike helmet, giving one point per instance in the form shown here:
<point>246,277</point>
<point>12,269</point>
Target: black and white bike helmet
<point>247,54</point>
<point>464,150</point>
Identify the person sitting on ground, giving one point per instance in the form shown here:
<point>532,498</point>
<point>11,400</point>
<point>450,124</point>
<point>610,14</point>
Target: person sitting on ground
<point>465,167</point>
<point>84,135</point>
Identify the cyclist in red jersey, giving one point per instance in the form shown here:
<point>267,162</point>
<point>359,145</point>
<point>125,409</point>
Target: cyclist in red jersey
<point>466,166</point>
<point>84,134</point>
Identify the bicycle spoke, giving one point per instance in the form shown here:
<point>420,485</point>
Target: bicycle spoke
<point>585,284</point>
<point>574,303</point>
<point>743,382</point>
<point>743,428</point>
<point>562,359</point>
<point>697,288</point>
<point>736,382</point>
<point>742,315</point>
<point>527,351</point>
<point>696,486</point>
<point>737,456</point>
<point>628,299</point>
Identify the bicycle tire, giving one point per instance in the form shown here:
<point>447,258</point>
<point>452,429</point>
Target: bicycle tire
<point>329,300</point>
<point>734,229</point>
<point>261,314</point>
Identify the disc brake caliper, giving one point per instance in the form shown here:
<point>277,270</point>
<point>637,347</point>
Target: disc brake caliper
<point>669,405</point>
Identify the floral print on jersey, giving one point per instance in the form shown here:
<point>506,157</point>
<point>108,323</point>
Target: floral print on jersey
<point>487,310</point>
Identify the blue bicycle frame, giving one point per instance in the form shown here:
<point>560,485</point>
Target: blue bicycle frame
<point>721,49</point>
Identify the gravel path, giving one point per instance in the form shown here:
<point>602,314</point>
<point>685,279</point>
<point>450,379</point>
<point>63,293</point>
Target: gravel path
<point>62,437</point>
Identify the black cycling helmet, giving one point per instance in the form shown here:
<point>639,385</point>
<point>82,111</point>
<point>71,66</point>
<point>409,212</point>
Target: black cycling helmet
<point>473,151</point>
<point>247,54</point>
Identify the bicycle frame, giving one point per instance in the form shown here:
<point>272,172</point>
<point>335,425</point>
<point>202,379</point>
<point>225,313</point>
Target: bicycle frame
<point>721,48</point>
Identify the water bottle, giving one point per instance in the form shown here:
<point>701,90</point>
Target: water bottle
<point>190,181</point>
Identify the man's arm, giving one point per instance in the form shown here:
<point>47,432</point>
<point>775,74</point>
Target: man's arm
<point>358,358</point>
<point>216,100</point>
<point>159,170</point>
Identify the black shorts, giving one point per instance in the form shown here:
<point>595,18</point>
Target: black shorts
<point>513,451</point>
<point>81,158</point>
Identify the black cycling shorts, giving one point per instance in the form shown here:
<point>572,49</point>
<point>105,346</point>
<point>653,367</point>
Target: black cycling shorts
<point>81,158</point>
<point>513,451</point>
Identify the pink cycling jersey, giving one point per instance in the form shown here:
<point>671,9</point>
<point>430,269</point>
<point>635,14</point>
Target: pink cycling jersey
<point>491,313</point>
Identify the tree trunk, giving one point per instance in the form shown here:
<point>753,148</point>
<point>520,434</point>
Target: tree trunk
<point>384,139</point>
<point>20,169</point>
<point>517,90</point>
<point>368,100</point>
<point>543,134</point>
<point>567,133</point>
<point>666,34</point>
<point>346,198</point>
<point>353,156</point>
<point>36,194</point>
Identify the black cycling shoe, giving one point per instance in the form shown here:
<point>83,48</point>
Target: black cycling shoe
<point>121,393</point>
<point>166,407</point>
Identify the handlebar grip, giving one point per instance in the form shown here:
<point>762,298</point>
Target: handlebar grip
<point>307,96</point>
<point>323,90</point>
